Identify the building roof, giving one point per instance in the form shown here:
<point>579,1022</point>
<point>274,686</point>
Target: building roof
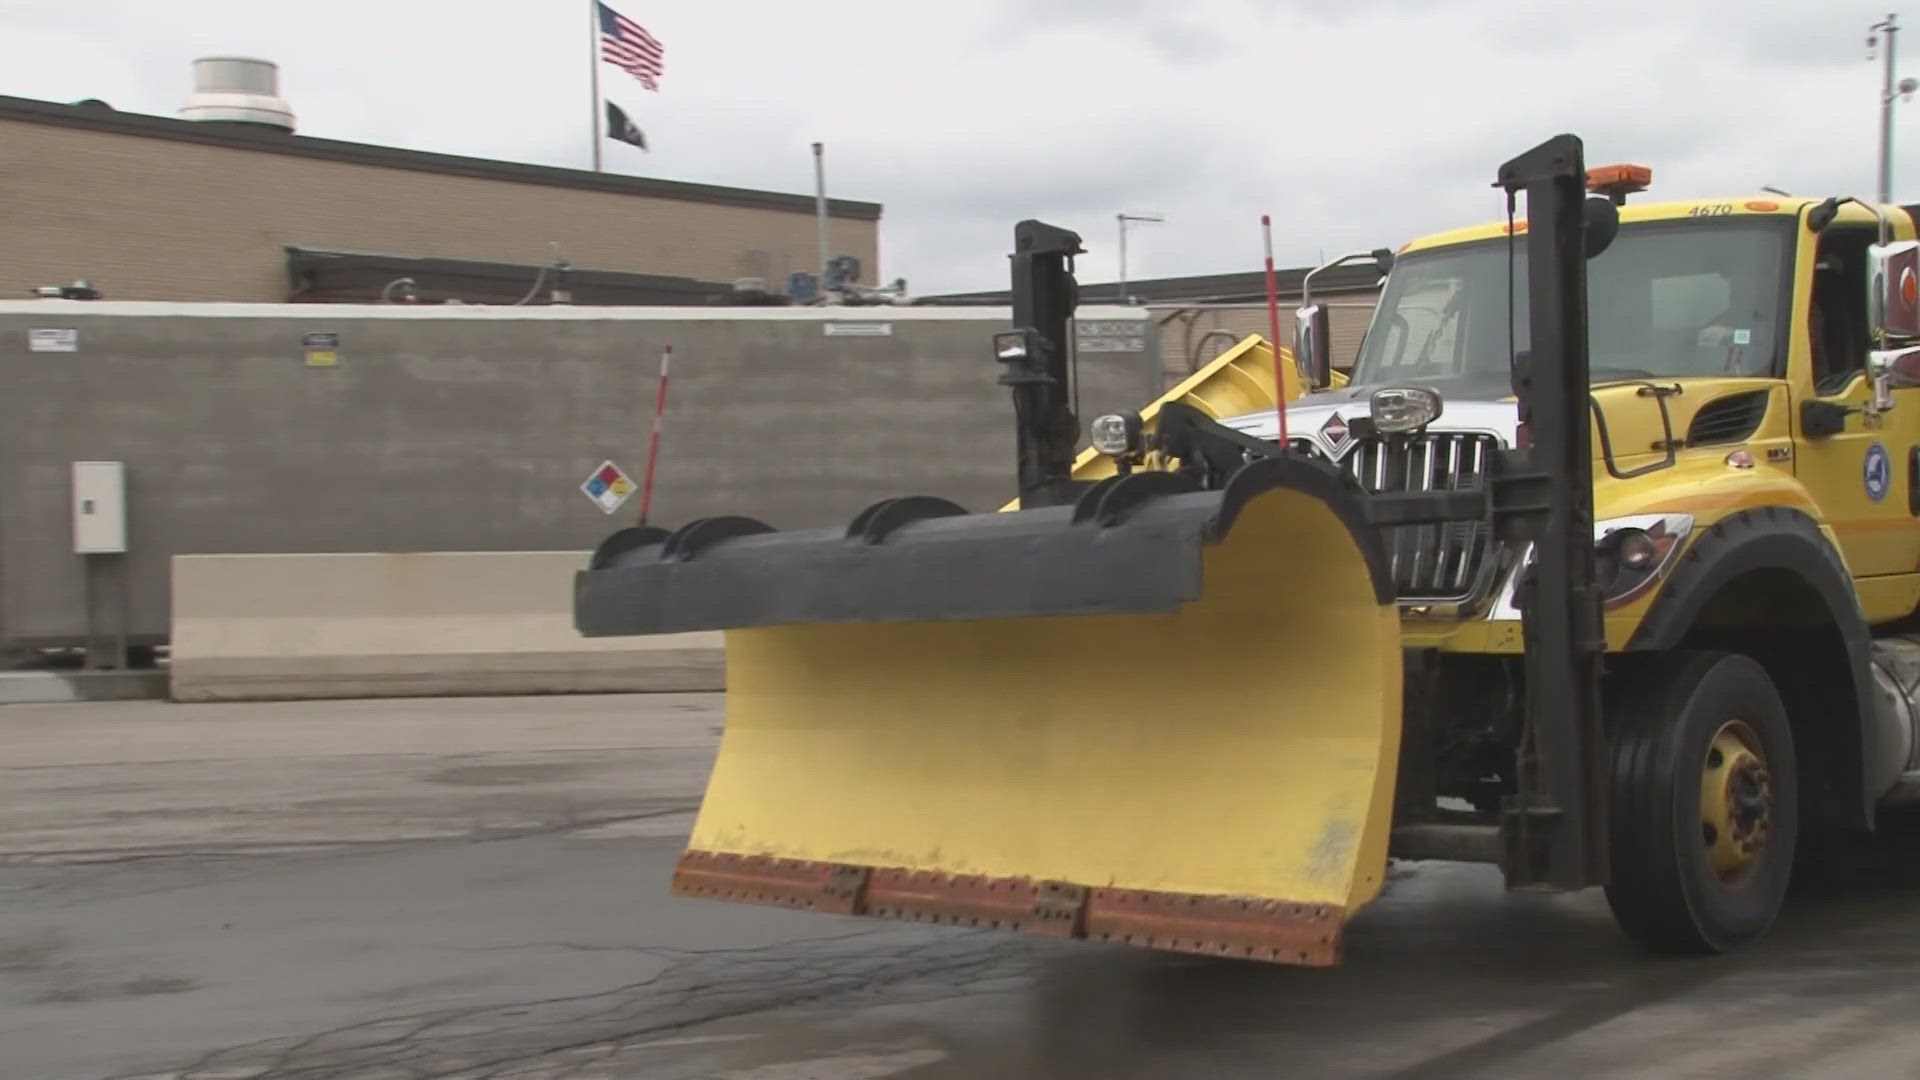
<point>98,117</point>
<point>1203,288</point>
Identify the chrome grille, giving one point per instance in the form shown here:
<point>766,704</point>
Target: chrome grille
<point>1439,562</point>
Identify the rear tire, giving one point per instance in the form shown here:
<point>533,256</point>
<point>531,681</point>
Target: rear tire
<point>1705,811</point>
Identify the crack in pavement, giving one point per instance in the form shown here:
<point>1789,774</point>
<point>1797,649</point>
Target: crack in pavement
<point>692,987</point>
<point>665,950</point>
<point>113,876</point>
<point>242,848</point>
<point>382,755</point>
<point>539,1065</point>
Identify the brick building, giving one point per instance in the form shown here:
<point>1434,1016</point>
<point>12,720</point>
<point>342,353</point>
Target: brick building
<point>155,208</point>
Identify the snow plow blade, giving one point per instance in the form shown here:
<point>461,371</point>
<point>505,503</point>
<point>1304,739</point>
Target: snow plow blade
<point>1159,716</point>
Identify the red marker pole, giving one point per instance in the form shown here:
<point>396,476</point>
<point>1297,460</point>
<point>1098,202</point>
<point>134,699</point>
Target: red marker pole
<point>653,444</point>
<point>1273,320</point>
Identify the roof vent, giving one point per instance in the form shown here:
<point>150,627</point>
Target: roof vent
<point>237,90</point>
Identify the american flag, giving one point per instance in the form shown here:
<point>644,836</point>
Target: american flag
<point>627,45</point>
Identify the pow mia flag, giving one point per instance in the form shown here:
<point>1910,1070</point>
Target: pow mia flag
<point>620,127</point>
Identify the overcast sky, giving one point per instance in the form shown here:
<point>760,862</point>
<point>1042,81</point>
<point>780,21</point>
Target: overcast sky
<point>1355,123</point>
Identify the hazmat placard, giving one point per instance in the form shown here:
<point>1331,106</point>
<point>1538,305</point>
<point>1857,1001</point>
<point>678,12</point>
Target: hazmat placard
<point>322,349</point>
<point>608,487</point>
<point>52,339</point>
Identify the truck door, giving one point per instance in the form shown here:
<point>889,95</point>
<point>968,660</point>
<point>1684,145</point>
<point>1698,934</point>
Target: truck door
<point>1863,477</point>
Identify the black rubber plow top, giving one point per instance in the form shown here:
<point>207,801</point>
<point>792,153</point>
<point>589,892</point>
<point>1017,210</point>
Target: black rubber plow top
<point>1130,545</point>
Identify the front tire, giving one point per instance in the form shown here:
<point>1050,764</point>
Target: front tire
<point>1705,808</point>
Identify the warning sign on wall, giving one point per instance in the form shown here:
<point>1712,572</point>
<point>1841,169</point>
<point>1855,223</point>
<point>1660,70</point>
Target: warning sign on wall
<point>608,487</point>
<point>53,339</point>
<point>1111,337</point>
<point>322,349</point>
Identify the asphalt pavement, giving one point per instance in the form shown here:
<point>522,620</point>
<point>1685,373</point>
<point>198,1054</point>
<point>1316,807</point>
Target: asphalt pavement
<point>478,888</point>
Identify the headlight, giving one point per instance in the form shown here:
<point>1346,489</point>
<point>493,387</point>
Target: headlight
<point>1010,346</point>
<point>1398,410</point>
<point>1634,549</point>
<point>1630,555</point>
<point>1116,434</point>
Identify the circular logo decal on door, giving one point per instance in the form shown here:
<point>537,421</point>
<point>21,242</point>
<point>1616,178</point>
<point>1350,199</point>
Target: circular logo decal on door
<point>1877,473</point>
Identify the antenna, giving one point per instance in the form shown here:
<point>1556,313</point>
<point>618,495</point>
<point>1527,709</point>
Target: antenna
<point>1123,219</point>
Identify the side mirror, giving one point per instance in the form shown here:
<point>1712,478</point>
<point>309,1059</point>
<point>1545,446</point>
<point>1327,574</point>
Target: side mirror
<point>1884,375</point>
<point>1899,368</point>
<point>1312,331</point>
<point>1822,215</point>
<point>1603,224</point>
<point>1893,304</point>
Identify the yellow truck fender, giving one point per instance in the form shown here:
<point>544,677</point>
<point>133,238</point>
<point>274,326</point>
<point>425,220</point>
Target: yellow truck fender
<point>1777,562</point>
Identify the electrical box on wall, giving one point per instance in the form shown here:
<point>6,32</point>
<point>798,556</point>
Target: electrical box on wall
<point>99,507</point>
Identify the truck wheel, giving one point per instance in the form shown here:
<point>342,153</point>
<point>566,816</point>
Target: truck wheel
<point>1704,811</point>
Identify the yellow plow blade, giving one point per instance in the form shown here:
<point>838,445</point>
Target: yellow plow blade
<point>1214,779</point>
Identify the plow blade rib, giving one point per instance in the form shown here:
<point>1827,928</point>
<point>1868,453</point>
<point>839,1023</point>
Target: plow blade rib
<point>1172,724</point>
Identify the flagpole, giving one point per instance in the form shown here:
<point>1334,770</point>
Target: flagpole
<point>593,65</point>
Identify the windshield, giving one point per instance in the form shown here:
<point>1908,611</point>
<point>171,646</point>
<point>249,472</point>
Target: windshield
<point>1666,299</point>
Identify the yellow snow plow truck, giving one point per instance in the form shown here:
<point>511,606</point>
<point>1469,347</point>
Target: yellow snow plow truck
<point>1599,568</point>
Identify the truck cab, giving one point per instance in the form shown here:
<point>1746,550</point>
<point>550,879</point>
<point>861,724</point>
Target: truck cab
<point>1730,344</point>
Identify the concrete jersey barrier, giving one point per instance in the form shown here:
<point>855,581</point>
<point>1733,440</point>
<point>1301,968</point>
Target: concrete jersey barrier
<point>257,627</point>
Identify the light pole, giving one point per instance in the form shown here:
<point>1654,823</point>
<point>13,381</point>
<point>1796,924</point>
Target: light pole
<point>1123,219</point>
<point>820,214</point>
<point>1888,91</point>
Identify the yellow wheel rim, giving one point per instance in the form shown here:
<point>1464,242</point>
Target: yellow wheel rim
<point>1736,802</point>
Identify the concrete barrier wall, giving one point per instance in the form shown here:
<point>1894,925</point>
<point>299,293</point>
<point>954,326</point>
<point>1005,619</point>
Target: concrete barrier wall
<point>471,429</point>
<point>376,625</point>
